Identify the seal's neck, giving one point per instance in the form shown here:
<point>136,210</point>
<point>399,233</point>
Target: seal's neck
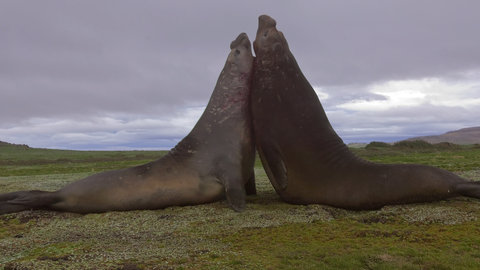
<point>230,96</point>
<point>226,112</point>
<point>284,85</point>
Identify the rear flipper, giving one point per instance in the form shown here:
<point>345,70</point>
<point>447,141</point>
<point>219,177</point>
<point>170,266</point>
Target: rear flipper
<point>25,200</point>
<point>469,189</point>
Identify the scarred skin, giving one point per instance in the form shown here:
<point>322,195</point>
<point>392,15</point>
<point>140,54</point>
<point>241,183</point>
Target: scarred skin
<point>307,162</point>
<point>213,162</point>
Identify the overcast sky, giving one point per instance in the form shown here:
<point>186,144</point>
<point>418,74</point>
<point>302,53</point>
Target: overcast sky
<point>138,74</point>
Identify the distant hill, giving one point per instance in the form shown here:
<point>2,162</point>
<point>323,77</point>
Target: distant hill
<point>11,144</point>
<point>461,136</point>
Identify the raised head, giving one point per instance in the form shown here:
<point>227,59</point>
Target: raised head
<point>269,41</point>
<point>240,56</point>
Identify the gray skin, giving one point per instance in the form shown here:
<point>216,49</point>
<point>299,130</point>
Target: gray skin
<point>213,162</point>
<point>307,162</point>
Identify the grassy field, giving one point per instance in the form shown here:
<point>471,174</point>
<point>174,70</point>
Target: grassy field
<point>270,234</point>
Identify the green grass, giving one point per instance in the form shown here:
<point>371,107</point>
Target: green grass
<point>270,234</point>
<point>461,158</point>
<point>349,244</point>
<point>17,160</point>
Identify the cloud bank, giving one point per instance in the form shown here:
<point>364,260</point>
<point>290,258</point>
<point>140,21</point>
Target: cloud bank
<point>137,74</point>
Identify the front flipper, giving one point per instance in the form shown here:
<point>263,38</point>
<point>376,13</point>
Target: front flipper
<point>236,198</point>
<point>469,189</point>
<point>231,177</point>
<point>274,166</point>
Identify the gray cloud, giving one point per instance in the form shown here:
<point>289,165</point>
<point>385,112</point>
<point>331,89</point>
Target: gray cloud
<point>79,61</point>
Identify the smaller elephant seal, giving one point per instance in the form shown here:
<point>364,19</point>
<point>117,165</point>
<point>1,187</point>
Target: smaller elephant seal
<point>215,160</point>
<point>305,159</point>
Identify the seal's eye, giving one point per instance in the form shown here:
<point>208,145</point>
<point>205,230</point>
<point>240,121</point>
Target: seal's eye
<point>237,51</point>
<point>265,34</point>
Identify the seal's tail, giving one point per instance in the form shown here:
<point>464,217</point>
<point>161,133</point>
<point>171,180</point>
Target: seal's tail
<point>469,189</point>
<point>25,200</point>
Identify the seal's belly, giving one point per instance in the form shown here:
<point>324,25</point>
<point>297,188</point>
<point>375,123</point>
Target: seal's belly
<point>131,192</point>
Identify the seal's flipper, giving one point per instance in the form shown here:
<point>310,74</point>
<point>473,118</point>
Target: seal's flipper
<point>274,166</point>
<point>24,200</point>
<point>235,198</point>
<point>6,208</point>
<point>234,187</point>
<point>9,196</point>
<point>469,189</point>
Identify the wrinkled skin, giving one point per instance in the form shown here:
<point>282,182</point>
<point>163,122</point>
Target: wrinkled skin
<point>213,162</point>
<point>306,161</point>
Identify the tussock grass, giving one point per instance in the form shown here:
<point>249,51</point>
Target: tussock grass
<point>270,234</point>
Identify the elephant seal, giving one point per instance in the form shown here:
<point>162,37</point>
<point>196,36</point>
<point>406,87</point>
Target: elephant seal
<point>304,158</point>
<point>215,160</point>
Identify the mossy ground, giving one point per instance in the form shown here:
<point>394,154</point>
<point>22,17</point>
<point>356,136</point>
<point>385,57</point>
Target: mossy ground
<point>269,234</point>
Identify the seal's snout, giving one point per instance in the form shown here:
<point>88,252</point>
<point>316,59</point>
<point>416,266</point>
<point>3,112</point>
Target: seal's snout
<point>241,40</point>
<point>266,27</point>
<point>241,54</point>
<point>265,21</point>
<point>268,38</point>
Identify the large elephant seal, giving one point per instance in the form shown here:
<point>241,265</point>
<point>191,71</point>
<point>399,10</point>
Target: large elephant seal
<point>305,159</point>
<point>214,161</point>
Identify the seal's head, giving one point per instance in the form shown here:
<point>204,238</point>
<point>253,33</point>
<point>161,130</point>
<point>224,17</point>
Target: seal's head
<point>269,41</point>
<point>240,57</point>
